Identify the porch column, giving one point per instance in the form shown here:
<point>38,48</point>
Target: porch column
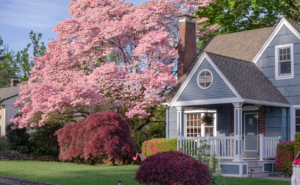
<point>180,129</point>
<point>238,132</point>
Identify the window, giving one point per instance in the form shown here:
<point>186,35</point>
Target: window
<point>194,125</point>
<point>284,62</point>
<point>205,79</point>
<point>297,121</point>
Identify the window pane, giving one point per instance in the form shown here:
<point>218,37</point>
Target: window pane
<point>288,50</point>
<point>202,73</point>
<point>280,58</point>
<point>285,67</point>
<point>297,121</point>
<point>288,57</point>
<point>208,84</point>
<point>297,128</point>
<point>283,51</point>
<point>297,112</point>
<point>280,51</point>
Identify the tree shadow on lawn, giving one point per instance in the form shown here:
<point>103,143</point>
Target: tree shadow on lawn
<point>69,173</point>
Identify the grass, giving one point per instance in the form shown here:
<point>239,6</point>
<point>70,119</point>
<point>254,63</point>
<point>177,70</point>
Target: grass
<point>74,174</point>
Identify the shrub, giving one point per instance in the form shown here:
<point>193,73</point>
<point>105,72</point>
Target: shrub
<point>104,135</point>
<point>296,144</point>
<point>46,152</point>
<point>43,138</point>
<point>157,130</point>
<point>139,137</point>
<point>284,157</point>
<point>23,149</point>
<point>17,138</point>
<point>3,144</point>
<point>155,146</point>
<point>171,168</point>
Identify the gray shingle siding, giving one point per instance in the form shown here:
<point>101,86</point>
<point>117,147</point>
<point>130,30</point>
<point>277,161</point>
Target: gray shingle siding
<point>276,123</point>
<point>171,122</point>
<point>218,89</point>
<point>224,120</point>
<point>289,88</point>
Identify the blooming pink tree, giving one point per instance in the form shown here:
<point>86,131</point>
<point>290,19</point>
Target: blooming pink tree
<point>111,56</point>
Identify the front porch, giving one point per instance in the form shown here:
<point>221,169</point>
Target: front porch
<point>244,135</point>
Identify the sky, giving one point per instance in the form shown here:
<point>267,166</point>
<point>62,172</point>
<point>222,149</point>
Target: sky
<point>19,17</point>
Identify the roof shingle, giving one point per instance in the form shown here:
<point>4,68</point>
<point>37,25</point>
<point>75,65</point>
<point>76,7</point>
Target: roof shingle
<point>8,92</point>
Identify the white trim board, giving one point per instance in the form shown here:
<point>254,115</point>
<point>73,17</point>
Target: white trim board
<point>259,102</point>
<point>282,22</point>
<point>207,102</point>
<point>188,79</point>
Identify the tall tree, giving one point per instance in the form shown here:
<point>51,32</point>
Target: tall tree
<point>78,75</point>
<point>1,50</point>
<point>23,64</point>
<point>19,64</point>
<point>240,15</point>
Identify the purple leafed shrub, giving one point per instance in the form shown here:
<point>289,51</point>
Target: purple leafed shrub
<point>101,134</point>
<point>169,168</point>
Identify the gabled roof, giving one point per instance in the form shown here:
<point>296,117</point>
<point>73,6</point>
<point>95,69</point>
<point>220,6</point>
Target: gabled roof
<point>247,79</point>
<point>240,45</point>
<point>8,92</point>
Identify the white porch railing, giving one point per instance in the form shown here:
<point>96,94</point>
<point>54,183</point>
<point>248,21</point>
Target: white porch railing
<point>219,145</point>
<point>268,146</point>
<point>224,145</point>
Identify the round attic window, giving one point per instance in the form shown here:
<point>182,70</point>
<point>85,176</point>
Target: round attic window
<point>205,79</point>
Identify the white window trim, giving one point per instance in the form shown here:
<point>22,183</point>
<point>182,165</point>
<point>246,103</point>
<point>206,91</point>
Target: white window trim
<point>212,79</point>
<point>282,77</point>
<point>202,112</point>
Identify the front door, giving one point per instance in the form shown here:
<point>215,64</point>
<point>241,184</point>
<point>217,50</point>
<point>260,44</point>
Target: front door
<point>250,135</point>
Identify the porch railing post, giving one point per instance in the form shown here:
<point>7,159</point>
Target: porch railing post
<point>208,141</point>
<point>180,122</point>
<point>261,147</point>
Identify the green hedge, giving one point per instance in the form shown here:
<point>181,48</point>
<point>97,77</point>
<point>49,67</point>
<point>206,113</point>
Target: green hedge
<point>284,157</point>
<point>296,144</point>
<point>155,146</point>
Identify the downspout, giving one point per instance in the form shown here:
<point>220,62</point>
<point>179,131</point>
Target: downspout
<point>167,121</point>
<point>288,124</point>
<point>281,120</point>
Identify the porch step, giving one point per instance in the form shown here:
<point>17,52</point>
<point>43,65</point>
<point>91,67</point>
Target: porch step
<point>255,169</point>
<point>258,174</point>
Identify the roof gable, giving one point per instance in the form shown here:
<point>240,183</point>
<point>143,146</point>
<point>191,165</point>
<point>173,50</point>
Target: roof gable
<point>293,26</point>
<point>205,59</point>
<point>218,89</point>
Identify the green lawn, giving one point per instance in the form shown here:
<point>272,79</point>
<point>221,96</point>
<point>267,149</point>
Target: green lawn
<point>73,174</point>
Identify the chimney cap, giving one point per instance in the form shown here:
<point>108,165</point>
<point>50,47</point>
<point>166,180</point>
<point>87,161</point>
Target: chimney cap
<point>187,16</point>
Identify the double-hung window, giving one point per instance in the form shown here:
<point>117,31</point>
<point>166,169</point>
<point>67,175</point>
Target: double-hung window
<point>297,121</point>
<point>194,126</point>
<point>284,62</point>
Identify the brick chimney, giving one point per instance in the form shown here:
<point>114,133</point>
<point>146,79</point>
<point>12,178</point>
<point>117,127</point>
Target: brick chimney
<point>187,49</point>
<point>14,81</point>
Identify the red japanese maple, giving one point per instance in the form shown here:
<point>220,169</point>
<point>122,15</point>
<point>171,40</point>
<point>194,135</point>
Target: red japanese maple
<point>104,134</point>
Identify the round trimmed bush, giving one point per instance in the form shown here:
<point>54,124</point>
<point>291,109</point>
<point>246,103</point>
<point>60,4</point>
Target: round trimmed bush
<point>169,168</point>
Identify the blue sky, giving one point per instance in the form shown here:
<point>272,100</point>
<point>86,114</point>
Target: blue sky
<point>19,17</point>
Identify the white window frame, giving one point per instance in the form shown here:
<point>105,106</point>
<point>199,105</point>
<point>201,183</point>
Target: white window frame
<point>212,79</point>
<point>202,112</point>
<point>277,75</point>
